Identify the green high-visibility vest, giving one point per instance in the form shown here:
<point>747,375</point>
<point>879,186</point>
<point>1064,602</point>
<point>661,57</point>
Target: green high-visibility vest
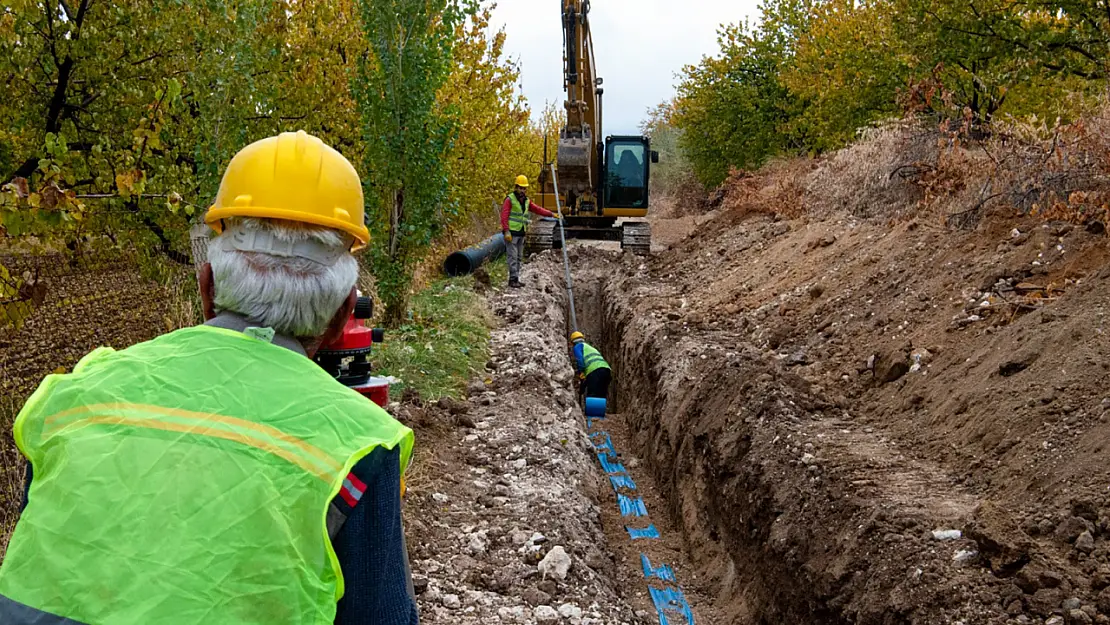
<point>518,215</point>
<point>187,480</point>
<point>592,359</point>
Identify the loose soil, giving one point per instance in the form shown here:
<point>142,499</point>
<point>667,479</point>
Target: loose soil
<point>506,477</point>
<point>831,421</point>
<point>818,402</point>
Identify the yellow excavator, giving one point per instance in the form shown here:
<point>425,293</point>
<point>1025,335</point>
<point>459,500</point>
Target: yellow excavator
<point>602,183</point>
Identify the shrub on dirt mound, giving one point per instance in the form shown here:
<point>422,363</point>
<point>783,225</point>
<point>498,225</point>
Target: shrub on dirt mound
<point>910,167</point>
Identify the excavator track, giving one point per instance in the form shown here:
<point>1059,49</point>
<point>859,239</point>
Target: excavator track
<point>541,237</point>
<point>636,237</point>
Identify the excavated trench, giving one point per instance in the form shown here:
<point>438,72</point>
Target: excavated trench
<point>783,509</point>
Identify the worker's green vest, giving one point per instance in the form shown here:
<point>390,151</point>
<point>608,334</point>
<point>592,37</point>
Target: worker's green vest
<point>518,215</point>
<point>186,480</point>
<point>592,359</point>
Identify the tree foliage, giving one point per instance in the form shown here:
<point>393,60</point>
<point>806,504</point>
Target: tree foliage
<point>495,141</point>
<point>734,109</point>
<point>674,171</point>
<point>407,136</point>
<point>812,73</point>
<point>119,117</point>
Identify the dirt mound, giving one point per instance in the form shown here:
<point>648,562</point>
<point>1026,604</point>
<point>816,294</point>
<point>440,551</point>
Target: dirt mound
<point>821,401</point>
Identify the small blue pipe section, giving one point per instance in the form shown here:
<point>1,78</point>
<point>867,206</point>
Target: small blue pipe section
<point>595,407</point>
<point>662,571</point>
<point>639,534</point>
<point>666,600</point>
<point>630,506</point>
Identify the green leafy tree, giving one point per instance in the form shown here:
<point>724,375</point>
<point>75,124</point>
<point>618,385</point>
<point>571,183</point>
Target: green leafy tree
<point>121,114</point>
<point>407,137</point>
<point>674,172</point>
<point>1008,56</point>
<point>848,68</point>
<point>733,109</point>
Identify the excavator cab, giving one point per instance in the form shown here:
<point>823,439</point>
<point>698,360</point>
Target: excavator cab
<point>627,170</point>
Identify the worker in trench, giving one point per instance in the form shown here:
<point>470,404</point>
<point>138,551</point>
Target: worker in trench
<point>514,226</point>
<point>594,374</point>
<point>216,474</point>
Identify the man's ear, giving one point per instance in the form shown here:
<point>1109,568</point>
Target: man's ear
<point>207,291</point>
<point>335,327</point>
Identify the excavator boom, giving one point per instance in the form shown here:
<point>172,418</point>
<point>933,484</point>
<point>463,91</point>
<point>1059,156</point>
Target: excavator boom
<point>577,154</point>
<point>601,178</point>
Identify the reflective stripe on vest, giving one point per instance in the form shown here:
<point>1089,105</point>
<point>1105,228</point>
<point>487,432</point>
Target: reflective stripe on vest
<point>198,469</point>
<point>518,215</point>
<point>592,359</point>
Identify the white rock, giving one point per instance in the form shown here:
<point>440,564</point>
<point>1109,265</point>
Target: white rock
<point>1055,620</point>
<point>556,563</point>
<point>569,610</point>
<point>964,555</point>
<point>514,614</point>
<point>518,537</point>
<point>808,459</point>
<point>478,543</point>
<point>947,534</point>
<point>545,614</point>
<point>440,497</point>
<point>519,463</point>
<point>451,602</point>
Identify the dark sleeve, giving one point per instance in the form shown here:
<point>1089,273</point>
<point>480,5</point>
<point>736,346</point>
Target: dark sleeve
<point>26,486</point>
<point>371,548</point>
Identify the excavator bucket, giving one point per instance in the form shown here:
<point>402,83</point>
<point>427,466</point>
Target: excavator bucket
<point>575,168</point>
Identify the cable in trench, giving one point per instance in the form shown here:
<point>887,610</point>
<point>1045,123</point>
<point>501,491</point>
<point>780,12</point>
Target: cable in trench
<point>663,586</point>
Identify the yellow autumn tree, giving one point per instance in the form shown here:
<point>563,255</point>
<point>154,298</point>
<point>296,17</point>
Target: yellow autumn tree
<point>495,141</point>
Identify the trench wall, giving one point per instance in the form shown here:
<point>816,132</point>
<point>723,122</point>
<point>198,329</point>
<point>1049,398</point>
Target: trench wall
<point>736,446</point>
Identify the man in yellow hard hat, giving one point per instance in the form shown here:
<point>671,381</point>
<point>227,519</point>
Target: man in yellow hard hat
<point>216,474</point>
<point>514,225</point>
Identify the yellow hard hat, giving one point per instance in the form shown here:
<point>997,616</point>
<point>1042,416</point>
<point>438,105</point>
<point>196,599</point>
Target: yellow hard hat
<point>577,336</point>
<point>522,181</point>
<point>293,176</point>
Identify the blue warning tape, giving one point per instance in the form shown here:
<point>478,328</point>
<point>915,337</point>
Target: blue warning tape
<point>606,444</point>
<point>631,507</point>
<point>670,600</point>
<point>647,532</point>
<point>662,571</point>
<point>609,467</point>
<point>622,481</point>
<point>666,600</point>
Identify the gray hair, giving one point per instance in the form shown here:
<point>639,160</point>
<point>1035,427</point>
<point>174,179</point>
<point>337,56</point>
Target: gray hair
<point>294,295</point>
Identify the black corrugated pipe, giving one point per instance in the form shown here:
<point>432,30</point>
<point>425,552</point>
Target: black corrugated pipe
<point>464,262</point>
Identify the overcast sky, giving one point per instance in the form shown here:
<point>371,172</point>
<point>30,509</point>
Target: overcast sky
<point>640,45</point>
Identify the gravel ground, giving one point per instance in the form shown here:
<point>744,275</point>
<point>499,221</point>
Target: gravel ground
<point>503,516</point>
